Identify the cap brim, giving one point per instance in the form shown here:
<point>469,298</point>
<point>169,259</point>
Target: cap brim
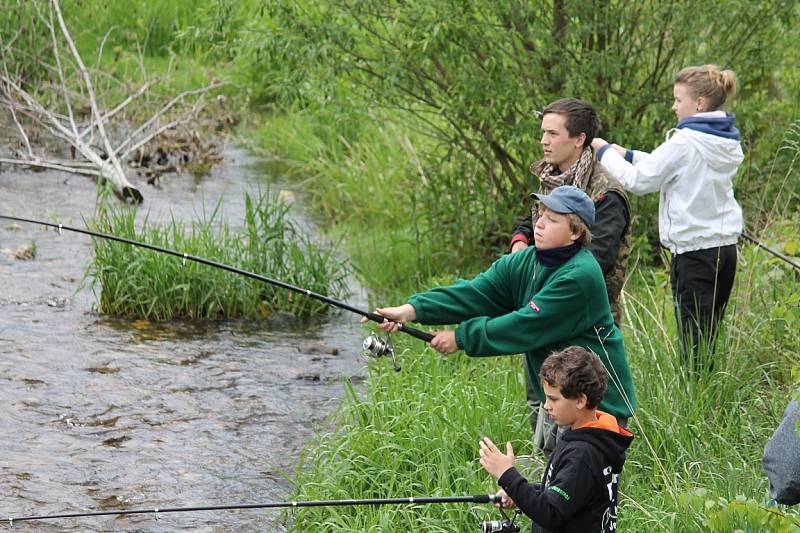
<point>552,203</point>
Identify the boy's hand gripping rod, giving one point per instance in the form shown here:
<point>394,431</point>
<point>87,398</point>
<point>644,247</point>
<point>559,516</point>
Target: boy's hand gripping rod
<point>373,344</point>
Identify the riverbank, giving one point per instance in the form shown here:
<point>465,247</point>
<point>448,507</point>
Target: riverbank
<point>413,148</point>
<point>695,464</point>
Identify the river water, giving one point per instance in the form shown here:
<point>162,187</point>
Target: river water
<point>100,413</point>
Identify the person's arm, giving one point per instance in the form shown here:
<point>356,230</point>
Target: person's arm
<point>649,172</point>
<point>568,492</point>
<point>634,156</point>
<point>487,294</point>
<point>523,234</point>
<point>781,459</point>
<point>610,222</point>
<point>631,156</point>
<point>557,311</point>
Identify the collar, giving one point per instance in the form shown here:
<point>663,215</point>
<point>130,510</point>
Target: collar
<point>553,257</point>
<point>716,123</point>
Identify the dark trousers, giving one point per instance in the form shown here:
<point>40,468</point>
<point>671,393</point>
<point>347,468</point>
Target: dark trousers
<point>701,285</point>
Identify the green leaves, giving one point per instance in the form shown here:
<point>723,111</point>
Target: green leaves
<point>468,74</point>
<point>718,514</point>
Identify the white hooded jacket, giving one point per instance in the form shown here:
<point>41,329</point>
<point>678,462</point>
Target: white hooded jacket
<point>693,171</point>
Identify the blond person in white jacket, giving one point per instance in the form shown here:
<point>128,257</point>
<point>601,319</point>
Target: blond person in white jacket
<point>699,220</point>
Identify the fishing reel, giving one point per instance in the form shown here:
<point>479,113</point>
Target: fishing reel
<point>498,526</point>
<point>376,347</point>
<point>506,525</point>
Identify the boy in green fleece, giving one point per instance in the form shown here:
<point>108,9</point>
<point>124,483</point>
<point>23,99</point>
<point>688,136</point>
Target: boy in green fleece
<point>537,301</point>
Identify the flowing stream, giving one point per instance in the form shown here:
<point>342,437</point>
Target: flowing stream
<point>100,413</point>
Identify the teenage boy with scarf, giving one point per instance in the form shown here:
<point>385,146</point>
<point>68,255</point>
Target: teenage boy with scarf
<point>568,127</point>
<point>540,300</point>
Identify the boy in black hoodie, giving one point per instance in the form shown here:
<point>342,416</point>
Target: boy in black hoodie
<point>579,489</point>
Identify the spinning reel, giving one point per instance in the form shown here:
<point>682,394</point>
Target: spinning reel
<point>375,346</point>
<point>506,525</point>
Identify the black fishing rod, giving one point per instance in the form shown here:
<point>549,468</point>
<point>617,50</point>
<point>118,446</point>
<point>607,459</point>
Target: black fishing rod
<point>480,498</point>
<point>776,253</point>
<point>373,344</point>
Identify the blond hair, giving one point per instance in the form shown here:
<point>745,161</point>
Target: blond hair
<point>576,225</point>
<point>716,86</point>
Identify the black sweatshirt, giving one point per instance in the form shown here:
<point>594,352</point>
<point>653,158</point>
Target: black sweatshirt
<point>579,490</point>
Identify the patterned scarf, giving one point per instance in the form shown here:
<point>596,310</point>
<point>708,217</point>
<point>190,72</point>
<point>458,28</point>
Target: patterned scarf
<point>578,174</point>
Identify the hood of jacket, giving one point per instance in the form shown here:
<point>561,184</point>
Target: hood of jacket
<point>716,139</point>
<point>611,439</point>
<point>714,123</point>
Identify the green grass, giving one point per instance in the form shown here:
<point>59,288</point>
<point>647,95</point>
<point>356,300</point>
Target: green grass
<point>160,28</point>
<point>138,283</point>
<point>695,464</point>
<point>413,433</point>
<point>397,201</point>
<point>698,442</point>
<point>406,224</point>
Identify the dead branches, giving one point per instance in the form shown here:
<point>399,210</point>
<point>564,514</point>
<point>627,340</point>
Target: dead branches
<point>72,112</point>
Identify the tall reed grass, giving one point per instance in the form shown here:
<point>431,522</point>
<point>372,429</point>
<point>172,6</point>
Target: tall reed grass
<point>407,223</point>
<point>159,28</point>
<point>138,283</point>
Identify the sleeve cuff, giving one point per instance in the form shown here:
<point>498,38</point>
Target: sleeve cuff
<point>418,308</point>
<point>459,341</point>
<point>508,477</point>
<point>602,151</point>
<point>519,237</point>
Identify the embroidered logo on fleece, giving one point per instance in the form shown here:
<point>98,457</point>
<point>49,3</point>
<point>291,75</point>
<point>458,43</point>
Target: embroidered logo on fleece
<point>561,492</point>
<point>533,306</point>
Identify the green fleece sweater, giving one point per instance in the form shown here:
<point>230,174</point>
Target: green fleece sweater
<point>520,305</point>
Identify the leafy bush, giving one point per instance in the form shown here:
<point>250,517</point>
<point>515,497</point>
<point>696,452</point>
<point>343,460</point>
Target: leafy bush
<point>720,514</point>
<point>468,78</point>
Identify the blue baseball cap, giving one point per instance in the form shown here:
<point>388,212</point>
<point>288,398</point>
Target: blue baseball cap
<point>569,199</point>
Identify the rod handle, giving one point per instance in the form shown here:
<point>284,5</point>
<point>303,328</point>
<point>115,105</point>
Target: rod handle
<point>419,334</point>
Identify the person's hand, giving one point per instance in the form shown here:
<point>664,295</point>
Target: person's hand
<point>401,313</point>
<point>444,342</point>
<point>505,500</point>
<point>598,143</point>
<point>493,460</point>
<point>518,246</point>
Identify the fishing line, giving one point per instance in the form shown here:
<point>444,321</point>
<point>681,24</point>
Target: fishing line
<point>480,498</point>
<point>776,253</point>
<point>375,346</point>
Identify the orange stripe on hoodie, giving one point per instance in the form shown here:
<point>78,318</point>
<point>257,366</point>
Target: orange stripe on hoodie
<point>607,422</point>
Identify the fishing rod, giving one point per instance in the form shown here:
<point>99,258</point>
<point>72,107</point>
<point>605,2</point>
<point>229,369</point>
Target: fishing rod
<point>492,526</point>
<point>374,345</point>
<point>776,253</point>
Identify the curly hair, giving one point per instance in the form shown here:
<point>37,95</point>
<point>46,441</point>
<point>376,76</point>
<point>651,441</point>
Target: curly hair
<point>575,371</point>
